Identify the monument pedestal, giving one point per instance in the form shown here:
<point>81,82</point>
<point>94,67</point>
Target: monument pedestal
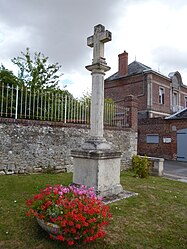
<point>99,169</point>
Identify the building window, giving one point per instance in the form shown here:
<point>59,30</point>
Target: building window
<point>175,99</point>
<point>161,95</point>
<point>152,139</point>
<point>185,102</point>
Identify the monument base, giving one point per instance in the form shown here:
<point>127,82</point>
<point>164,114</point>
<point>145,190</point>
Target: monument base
<point>99,169</point>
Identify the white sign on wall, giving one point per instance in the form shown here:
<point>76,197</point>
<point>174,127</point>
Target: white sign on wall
<point>167,140</point>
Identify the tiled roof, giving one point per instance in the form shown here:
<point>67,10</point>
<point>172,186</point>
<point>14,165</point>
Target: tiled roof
<point>133,68</point>
<point>136,67</point>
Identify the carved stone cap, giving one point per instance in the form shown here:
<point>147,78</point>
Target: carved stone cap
<point>98,66</point>
<point>93,154</point>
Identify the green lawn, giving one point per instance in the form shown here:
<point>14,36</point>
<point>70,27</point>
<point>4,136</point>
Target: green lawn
<point>156,218</point>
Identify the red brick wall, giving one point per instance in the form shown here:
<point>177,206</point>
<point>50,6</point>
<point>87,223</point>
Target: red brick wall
<point>165,129</point>
<point>137,85</point>
<point>157,83</point>
<point>121,88</point>
<point>131,102</point>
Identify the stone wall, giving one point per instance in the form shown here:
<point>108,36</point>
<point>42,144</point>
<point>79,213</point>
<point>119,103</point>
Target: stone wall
<point>36,146</point>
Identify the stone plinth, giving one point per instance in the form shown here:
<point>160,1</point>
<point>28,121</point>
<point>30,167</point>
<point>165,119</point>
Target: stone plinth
<point>99,169</point>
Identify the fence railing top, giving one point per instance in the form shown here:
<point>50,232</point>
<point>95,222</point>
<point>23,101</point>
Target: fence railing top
<point>42,104</point>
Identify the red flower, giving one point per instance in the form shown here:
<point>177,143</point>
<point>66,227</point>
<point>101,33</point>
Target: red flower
<point>60,237</point>
<point>28,214</point>
<point>73,230</point>
<point>29,203</point>
<point>63,223</point>
<point>78,226</point>
<point>70,223</point>
<point>41,217</point>
<point>94,219</point>
<point>51,236</point>
<point>71,242</point>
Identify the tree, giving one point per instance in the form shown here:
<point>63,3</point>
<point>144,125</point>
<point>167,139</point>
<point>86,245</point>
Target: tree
<point>7,77</point>
<point>37,73</point>
<point>8,82</point>
<point>38,92</point>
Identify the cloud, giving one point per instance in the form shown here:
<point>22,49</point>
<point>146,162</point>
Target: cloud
<point>59,29</point>
<point>77,83</point>
<point>170,57</point>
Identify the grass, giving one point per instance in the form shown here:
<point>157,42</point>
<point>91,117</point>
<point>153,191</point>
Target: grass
<point>156,218</point>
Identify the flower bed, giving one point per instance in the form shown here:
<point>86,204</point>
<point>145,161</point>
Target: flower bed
<point>72,214</point>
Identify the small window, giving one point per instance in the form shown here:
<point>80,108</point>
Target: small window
<point>161,95</point>
<point>185,102</point>
<point>175,99</point>
<point>152,139</point>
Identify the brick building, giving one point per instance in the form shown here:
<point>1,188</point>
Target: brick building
<point>162,107</point>
<point>158,95</point>
<point>164,137</point>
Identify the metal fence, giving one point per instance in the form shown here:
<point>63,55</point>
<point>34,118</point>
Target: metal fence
<point>23,103</point>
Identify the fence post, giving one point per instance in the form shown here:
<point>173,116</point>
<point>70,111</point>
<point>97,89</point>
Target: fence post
<point>16,113</point>
<point>65,111</point>
<point>131,102</point>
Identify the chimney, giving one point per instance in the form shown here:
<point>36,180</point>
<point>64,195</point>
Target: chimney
<point>123,64</point>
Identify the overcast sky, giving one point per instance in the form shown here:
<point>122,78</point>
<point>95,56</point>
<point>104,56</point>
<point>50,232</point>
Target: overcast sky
<point>152,31</point>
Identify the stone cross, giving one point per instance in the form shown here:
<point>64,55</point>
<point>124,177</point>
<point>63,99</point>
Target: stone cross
<point>97,41</point>
<point>96,164</point>
<point>98,69</point>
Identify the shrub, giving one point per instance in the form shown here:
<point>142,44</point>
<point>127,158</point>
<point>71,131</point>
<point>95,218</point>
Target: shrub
<point>77,214</point>
<point>141,166</point>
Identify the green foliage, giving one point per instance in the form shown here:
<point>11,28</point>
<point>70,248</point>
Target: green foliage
<point>7,77</point>
<point>109,107</point>
<point>36,72</point>
<point>109,111</point>
<point>39,94</point>
<point>141,166</point>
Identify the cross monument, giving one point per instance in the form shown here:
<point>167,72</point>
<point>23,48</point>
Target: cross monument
<point>96,164</point>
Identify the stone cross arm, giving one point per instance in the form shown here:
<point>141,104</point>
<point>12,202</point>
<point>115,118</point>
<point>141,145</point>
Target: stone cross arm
<point>104,37</point>
<point>97,41</point>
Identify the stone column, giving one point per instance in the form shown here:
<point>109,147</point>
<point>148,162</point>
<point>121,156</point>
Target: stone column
<point>97,104</point>
<point>98,69</point>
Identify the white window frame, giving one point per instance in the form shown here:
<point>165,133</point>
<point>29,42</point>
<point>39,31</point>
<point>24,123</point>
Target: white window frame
<point>161,95</point>
<point>185,101</point>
